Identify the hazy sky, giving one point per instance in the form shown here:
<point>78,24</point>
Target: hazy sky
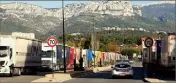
<point>56,4</point>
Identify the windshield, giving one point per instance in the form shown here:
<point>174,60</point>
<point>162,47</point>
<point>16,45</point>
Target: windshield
<point>122,66</point>
<point>3,47</point>
<point>122,61</point>
<point>46,54</point>
<point>3,51</point>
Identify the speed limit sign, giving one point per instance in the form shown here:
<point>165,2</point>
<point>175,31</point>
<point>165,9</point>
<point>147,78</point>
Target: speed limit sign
<point>148,42</point>
<point>52,41</point>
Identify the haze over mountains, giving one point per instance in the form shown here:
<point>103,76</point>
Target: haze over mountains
<point>114,15</point>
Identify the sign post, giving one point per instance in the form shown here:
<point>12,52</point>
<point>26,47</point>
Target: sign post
<point>52,42</point>
<point>148,42</point>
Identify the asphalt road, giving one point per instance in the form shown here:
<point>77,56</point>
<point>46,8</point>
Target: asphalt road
<point>105,77</point>
<point>22,78</point>
<point>101,77</point>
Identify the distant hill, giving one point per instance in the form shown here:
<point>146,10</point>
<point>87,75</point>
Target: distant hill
<point>162,12</point>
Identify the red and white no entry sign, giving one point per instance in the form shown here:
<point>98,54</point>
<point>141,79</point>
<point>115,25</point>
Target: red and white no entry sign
<point>52,41</point>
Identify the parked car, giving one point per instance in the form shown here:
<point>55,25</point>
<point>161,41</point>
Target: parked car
<point>122,69</point>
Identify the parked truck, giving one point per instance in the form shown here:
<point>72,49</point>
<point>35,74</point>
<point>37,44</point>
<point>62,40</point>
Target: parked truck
<point>52,58</point>
<point>19,55</point>
<point>161,56</point>
<point>49,57</point>
<point>168,51</point>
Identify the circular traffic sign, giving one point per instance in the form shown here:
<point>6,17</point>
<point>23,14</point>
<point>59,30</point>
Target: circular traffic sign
<point>51,41</point>
<point>148,42</point>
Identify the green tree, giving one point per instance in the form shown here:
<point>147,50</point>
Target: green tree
<point>129,52</point>
<point>86,44</point>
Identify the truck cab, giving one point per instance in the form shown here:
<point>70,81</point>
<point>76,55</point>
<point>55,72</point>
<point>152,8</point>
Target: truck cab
<point>49,58</point>
<point>5,59</point>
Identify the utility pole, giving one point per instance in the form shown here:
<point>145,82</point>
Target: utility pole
<point>94,41</point>
<point>63,35</point>
<point>1,30</point>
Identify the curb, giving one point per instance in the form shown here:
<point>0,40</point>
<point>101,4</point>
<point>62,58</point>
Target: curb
<point>74,75</point>
<point>151,80</point>
<point>146,80</point>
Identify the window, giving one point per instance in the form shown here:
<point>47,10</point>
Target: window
<point>11,53</point>
<point>3,47</point>
<point>122,66</point>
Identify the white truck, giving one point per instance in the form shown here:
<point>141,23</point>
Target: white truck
<point>55,55</point>
<point>19,55</point>
<point>161,56</point>
<point>49,56</point>
<point>168,51</point>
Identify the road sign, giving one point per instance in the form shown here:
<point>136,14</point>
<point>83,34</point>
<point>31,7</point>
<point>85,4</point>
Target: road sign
<point>52,41</point>
<point>148,42</point>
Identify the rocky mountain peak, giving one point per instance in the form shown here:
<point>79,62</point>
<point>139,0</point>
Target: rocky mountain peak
<point>122,8</point>
<point>160,2</point>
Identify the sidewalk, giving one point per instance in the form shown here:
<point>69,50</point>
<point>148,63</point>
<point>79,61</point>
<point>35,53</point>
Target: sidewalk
<point>158,78</point>
<point>60,77</point>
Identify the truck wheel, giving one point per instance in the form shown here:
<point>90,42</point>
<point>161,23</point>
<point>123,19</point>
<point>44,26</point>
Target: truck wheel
<point>18,71</point>
<point>11,73</point>
<point>57,68</point>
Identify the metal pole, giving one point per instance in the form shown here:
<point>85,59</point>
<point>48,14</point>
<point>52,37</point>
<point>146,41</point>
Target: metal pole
<point>1,28</point>
<point>63,35</point>
<point>81,53</point>
<point>149,54</point>
<point>52,64</point>
<point>0,31</point>
<point>94,41</point>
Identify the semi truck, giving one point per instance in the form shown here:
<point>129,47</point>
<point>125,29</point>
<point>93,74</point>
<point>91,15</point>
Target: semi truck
<point>19,55</point>
<point>49,57</point>
<point>52,58</point>
<point>161,56</point>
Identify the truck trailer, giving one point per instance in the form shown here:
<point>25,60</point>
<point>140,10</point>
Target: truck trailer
<point>168,51</point>
<point>19,55</point>
<point>161,56</point>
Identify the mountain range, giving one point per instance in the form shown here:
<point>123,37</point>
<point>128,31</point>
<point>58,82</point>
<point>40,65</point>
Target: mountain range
<point>23,17</point>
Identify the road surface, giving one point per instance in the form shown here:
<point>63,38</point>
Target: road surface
<point>101,77</point>
<point>105,77</point>
<point>22,78</point>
